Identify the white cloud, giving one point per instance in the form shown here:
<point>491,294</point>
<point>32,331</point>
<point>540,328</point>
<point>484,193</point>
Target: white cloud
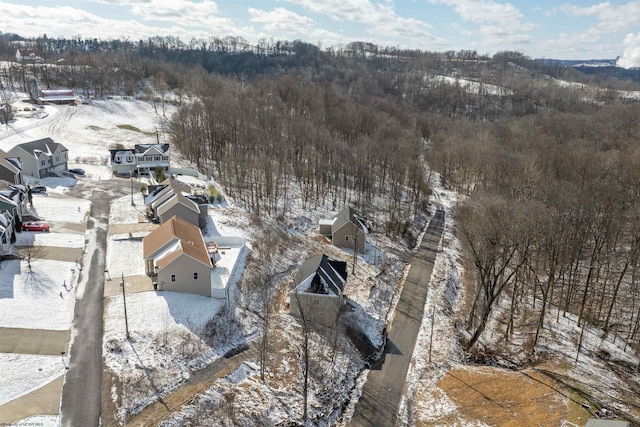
<point>630,57</point>
<point>65,21</point>
<point>381,22</point>
<point>281,20</point>
<point>610,18</point>
<point>501,24</point>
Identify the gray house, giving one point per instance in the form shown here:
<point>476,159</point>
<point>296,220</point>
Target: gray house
<point>170,198</point>
<point>10,168</point>
<point>319,290</point>
<point>14,199</point>
<point>177,259</point>
<point>41,158</point>
<point>7,233</point>
<point>347,230</point>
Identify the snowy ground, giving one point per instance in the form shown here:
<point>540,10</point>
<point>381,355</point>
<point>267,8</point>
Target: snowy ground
<point>425,403</point>
<point>33,300</point>
<point>22,373</point>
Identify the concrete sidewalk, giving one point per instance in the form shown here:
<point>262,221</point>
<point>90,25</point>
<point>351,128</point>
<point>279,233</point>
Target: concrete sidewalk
<point>43,401</point>
<point>133,284</point>
<point>131,228</point>
<point>56,253</point>
<point>34,341</point>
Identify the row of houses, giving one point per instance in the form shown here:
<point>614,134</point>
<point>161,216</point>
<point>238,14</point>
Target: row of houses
<point>13,200</point>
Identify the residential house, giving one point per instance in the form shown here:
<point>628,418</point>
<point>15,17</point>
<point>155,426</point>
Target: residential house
<point>7,233</point>
<point>172,197</point>
<point>319,290</point>
<point>29,55</point>
<point>347,230</point>
<point>10,169</point>
<point>142,160</point>
<point>176,258</point>
<point>14,199</point>
<point>41,158</point>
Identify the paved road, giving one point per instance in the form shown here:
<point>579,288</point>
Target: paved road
<point>81,400</point>
<point>381,394</point>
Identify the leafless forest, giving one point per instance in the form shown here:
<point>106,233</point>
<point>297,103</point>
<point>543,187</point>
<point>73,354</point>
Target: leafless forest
<point>551,170</point>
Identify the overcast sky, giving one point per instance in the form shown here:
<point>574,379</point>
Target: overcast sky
<point>581,29</point>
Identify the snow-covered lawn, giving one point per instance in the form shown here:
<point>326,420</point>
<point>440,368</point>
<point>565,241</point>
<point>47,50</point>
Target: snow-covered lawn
<point>121,211</point>
<point>165,345</point>
<point>37,299</point>
<point>22,373</point>
<point>60,208</point>
<point>124,256</point>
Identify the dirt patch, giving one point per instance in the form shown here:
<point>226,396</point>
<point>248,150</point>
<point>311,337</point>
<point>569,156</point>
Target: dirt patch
<point>282,365</point>
<point>504,398</point>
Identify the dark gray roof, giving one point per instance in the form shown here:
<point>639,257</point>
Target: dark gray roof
<point>141,148</point>
<point>350,215</point>
<point>45,145</point>
<point>330,274</point>
<point>124,151</point>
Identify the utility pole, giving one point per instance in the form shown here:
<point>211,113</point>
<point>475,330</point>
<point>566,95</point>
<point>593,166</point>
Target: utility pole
<point>131,177</point>
<point>355,248</point>
<point>124,300</point>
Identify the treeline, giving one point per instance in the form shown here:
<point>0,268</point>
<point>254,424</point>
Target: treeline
<point>553,218</point>
<point>269,140</point>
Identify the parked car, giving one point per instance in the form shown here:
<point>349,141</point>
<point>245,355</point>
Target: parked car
<point>38,189</point>
<point>35,226</point>
<point>77,171</point>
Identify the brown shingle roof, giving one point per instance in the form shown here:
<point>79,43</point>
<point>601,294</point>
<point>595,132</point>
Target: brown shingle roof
<point>176,229</point>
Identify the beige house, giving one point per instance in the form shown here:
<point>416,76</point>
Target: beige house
<point>319,290</point>
<point>176,258</point>
<point>347,230</point>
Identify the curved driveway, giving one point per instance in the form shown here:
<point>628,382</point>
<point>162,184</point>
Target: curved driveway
<point>381,394</point>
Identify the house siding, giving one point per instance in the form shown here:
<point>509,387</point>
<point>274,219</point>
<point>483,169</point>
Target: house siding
<point>339,238</point>
<point>183,267</point>
<point>317,308</point>
<point>180,211</point>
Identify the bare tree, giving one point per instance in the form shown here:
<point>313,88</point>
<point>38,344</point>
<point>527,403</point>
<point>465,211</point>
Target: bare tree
<point>30,253</point>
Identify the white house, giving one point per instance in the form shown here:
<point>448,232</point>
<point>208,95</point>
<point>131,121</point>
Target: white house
<point>41,158</point>
<point>143,159</point>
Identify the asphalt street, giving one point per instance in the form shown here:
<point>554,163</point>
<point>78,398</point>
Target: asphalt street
<point>81,394</point>
<point>381,394</point>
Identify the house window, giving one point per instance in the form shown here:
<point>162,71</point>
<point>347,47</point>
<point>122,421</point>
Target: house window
<point>117,158</point>
<point>57,158</point>
<point>43,162</point>
<point>173,277</point>
<point>346,238</point>
<point>156,158</point>
<point>129,158</point>
<point>195,276</point>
